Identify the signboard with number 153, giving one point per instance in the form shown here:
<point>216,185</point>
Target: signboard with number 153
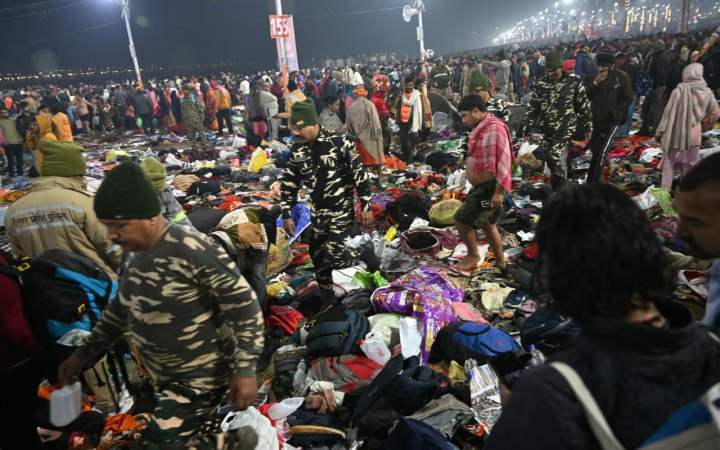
<point>279,28</point>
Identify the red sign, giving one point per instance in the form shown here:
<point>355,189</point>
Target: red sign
<point>279,27</point>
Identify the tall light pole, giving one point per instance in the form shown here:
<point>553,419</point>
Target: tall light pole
<point>125,5</point>
<point>281,45</point>
<point>417,8</point>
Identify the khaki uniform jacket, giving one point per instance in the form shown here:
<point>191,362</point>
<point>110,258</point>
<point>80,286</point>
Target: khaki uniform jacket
<point>58,214</point>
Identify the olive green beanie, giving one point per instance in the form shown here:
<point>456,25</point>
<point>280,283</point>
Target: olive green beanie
<point>125,194</point>
<point>155,173</point>
<point>62,159</point>
<point>478,80</point>
<point>303,114</point>
<point>553,61</point>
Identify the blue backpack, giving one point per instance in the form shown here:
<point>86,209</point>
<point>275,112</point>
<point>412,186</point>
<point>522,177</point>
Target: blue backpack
<point>463,340</point>
<point>62,291</point>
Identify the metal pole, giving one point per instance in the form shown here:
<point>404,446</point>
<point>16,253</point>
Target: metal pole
<point>421,36</point>
<point>684,15</point>
<point>281,41</point>
<point>125,4</point>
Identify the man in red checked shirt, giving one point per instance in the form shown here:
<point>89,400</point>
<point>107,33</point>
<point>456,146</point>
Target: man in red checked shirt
<point>489,170</point>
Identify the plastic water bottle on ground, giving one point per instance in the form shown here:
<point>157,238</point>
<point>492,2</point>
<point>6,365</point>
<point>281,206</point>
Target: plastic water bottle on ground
<point>375,348</point>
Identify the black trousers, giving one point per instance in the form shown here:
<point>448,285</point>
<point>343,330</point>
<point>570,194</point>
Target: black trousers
<point>148,124</point>
<point>600,146</point>
<point>408,141</point>
<point>223,115</point>
<point>14,154</point>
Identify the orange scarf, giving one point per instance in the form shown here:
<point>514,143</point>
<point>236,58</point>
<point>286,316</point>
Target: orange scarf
<point>360,92</point>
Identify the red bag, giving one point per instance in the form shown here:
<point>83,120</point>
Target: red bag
<point>347,372</point>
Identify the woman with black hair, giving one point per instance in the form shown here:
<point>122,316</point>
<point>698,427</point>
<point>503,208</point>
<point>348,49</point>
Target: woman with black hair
<point>641,356</point>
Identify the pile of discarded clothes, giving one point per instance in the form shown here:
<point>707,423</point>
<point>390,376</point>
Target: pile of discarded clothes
<point>413,353</point>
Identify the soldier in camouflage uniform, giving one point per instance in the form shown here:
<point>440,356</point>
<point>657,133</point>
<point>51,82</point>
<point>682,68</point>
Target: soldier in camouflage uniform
<point>440,77</point>
<point>193,113</point>
<point>480,85</point>
<point>557,105</point>
<point>330,168</point>
<point>193,319</point>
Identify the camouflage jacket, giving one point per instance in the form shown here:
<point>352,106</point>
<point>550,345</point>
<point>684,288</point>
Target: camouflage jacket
<point>557,107</point>
<point>193,112</point>
<point>188,311</point>
<point>331,170</point>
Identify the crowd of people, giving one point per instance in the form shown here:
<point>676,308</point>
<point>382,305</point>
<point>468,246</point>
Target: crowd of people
<point>196,317</point>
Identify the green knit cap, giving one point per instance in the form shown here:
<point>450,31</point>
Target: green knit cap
<point>155,173</point>
<point>126,194</point>
<point>303,114</point>
<point>478,80</point>
<point>553,61</point>
<point>62,159</point>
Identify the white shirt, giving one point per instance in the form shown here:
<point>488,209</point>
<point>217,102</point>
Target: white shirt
<point>245,87</point>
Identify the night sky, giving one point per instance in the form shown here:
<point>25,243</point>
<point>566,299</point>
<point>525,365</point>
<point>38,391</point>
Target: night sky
<point>90,33</point>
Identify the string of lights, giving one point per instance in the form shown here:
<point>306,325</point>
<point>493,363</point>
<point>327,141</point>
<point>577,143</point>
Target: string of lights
<point>570,19</point>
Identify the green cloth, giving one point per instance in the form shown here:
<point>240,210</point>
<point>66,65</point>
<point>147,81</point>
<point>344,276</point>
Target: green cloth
<point>478,80</point>
<point>62,159</point>
<point>303,114</point>
<point>126,194</point>
<point>553,61</point>
<point>155,173</point>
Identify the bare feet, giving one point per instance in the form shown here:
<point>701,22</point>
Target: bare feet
<point>467,263</point>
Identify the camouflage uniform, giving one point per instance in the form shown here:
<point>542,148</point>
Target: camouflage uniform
<point>555,108</point>
<point>194,322</point>
<point>499,109</point>
<point>193,113</point>
<point>331,170</point>
<point>440,80</point>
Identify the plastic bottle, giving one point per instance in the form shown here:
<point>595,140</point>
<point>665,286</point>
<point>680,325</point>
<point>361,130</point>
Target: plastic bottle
<point>299,379</point>
<point>375,348</point>
<point>65,404</point>
<point>538,359</point>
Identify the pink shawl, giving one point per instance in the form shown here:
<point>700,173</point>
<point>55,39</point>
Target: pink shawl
<point>689,104</point>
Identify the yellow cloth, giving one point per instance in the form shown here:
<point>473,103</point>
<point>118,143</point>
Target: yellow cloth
<point>45,124</point>
<point>63,131</point>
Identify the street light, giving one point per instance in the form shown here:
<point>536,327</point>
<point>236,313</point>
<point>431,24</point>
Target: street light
<point>417,8</point>
<point>125,5</point>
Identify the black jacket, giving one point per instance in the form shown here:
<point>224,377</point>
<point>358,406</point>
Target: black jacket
<point>611,99</point>
<point>659,68</point>
<point>22,122</point>
<point>637,374</point>
<point>143,105</point>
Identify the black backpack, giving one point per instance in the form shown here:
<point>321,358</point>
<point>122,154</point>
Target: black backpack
<point>548,331</point>
<point>61,291</point>
<point>404,385</point>
<point>335,332</point>
<point>440,160</point>
<point>205,187</point>
<point>405,210</point>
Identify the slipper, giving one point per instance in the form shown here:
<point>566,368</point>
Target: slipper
<point>464,273</point>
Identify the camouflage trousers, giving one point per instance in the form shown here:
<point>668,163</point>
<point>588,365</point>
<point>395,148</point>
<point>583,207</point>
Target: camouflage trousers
<point>180,411</point>
<point>556,157</point>
<point>328,249</point>
<point>195,132</point>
